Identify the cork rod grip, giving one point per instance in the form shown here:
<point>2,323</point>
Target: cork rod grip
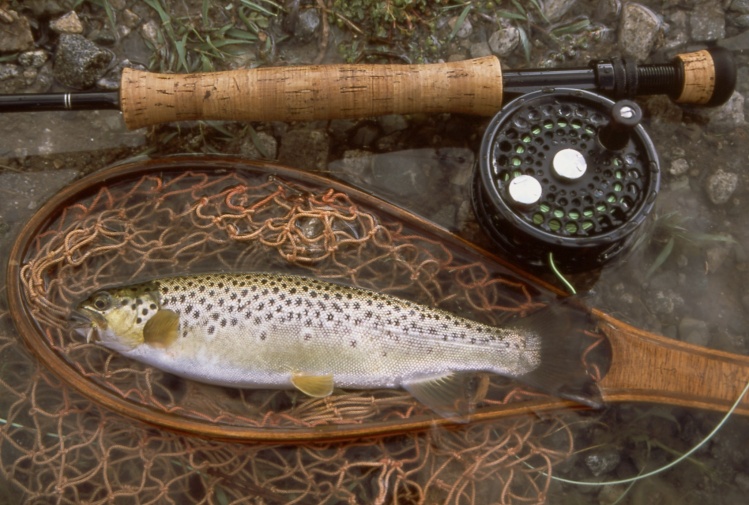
<point>306,93</point>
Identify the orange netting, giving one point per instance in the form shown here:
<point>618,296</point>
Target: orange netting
<point>56,445</point>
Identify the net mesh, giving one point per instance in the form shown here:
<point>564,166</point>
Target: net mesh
<point>57,446</point>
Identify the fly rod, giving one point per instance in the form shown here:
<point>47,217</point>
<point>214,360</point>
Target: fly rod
<point>305,93</point>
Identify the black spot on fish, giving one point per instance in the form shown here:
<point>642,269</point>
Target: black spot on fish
<point>144,312</point>
<point>138,320</point>
<point>133,307</point>
<point>211,330</point>
<point>196,314</point>
<point>473,340</point>
<point>263,335</point>
<point>201,289</point>
<point>165,289</point>
<point>307,337</point>
<point>124,302</point>
<point>152,306</point>
<point>268,316</point>
<point>330,317</point>
<point>223,323</point>
<point>215,316</point>
<point>244,292</point>
<point>258,320</point>
<point>353,343</point>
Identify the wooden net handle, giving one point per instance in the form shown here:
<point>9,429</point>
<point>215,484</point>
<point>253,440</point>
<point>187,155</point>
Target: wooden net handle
<point>305,93</point>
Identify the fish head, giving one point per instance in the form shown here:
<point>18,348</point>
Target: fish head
<point>115,318</point>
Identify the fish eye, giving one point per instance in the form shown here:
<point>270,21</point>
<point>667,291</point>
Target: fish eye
<point>101,301</point>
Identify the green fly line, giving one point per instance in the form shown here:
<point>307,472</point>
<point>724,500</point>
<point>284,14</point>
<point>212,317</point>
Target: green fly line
<point>667,466</point>
<point>559,275</point>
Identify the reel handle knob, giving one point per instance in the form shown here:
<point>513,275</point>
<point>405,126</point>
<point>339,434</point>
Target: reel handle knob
<point>625,116</point>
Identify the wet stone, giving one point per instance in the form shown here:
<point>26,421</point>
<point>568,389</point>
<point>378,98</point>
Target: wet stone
<point>505,40</point>
<point>679,167</point>
<point>708,21</point>
<point>638,30</point>
<point>15,35</point>
<point>30,191</point>
<point>307,24</point>
<point>392,123</point>
<point>366,135</point>
<point>608,10</point>
<point>9,71</point>
<point>727,117</point>
<point>740,6</point>
<point>480,49</point>
<point>79,62</point>
<point>720,186</point>
<point>262,145</point>
<point>601,461</point>
<point>305,149</point>
<point>33,58</point>
<point>464,30</point>
<point>68,23</point>
<point>742,21</point>
<point>694,331</point>
<point>556,9</point>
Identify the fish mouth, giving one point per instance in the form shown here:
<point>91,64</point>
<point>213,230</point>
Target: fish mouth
<point>87,323</point>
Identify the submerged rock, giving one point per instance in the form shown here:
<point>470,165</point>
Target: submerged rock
<point>601,461</point>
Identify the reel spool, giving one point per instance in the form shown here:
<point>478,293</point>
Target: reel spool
<point>566,172</point>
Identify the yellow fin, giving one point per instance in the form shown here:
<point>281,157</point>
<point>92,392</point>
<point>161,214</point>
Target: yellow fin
<point>162,329</point>
<point>316,386</point>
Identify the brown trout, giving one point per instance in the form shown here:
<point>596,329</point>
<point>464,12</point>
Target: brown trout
<point>266,330</point>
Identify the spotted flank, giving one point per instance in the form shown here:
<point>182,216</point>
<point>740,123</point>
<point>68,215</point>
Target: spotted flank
<point>267,330</point>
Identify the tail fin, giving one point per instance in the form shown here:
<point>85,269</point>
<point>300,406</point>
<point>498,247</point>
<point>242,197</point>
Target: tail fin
<point>561,372</point>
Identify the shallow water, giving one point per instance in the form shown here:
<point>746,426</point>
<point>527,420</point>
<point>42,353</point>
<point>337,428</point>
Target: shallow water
<point>685,279</point>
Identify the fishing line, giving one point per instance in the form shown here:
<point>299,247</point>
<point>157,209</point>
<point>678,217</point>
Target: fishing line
<point>665,467</point>
<point>559,275</point>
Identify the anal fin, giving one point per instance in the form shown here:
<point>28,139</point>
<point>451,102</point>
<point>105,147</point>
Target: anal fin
<point>447,394</point>
<point>316,386</point>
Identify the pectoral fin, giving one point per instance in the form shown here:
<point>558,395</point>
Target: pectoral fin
<point>162,329</point>
<point>317,386</point>
<point>446,394</point>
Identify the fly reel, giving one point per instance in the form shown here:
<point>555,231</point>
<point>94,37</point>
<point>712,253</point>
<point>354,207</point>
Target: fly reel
<point>566,172</point>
